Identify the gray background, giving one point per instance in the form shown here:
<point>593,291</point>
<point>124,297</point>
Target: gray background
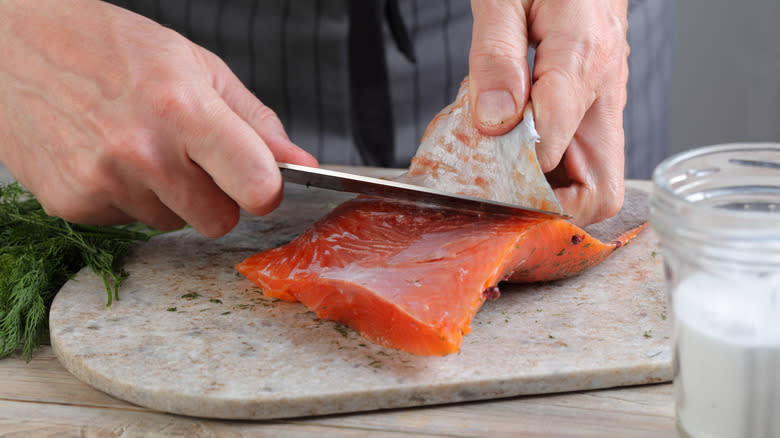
<point>726,73</point>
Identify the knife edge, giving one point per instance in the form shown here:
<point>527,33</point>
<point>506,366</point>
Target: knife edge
<point>352,183</point>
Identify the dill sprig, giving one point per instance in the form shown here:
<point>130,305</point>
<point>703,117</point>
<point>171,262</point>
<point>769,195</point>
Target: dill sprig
<point>38,254</point>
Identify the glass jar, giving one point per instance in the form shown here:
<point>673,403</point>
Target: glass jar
<point>717,212</point>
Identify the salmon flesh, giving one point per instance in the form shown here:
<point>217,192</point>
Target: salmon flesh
<point>411,276</point>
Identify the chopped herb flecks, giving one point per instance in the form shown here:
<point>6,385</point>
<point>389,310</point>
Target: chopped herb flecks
<point>344,330</point>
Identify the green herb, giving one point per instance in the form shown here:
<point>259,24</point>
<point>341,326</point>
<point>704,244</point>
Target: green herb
<point>375,363</point>
<point>171,309</point>
<point>647,335</point>
<point>191,296</point>
<point>215,301</point>
<point>38,254</point>
<point>341,329</point>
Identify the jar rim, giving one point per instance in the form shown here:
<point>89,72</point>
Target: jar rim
<point>731,191</point>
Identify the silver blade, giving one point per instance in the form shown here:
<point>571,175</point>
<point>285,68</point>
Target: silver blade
<point>347,182</point>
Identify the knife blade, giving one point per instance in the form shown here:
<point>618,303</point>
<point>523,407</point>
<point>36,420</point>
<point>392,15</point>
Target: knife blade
<point>352,183</point>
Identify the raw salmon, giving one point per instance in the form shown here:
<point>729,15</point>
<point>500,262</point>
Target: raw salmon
<point>412,276</point>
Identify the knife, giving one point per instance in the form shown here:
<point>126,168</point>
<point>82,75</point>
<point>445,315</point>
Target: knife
<point>348,182</point>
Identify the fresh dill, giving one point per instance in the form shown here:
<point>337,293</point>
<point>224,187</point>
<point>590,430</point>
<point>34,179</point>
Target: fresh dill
<point>38,254</point>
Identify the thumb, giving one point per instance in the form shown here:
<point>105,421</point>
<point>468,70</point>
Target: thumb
<point>499,82</point>
<point>261,118</point>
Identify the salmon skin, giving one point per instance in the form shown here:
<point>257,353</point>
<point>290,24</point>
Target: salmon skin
<point>412,277</point>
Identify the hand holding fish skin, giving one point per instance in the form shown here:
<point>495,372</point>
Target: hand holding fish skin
<point>578,91</point>
<point>108,117</point>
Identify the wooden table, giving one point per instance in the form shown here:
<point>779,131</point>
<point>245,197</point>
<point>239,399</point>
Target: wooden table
<point>41,398</point>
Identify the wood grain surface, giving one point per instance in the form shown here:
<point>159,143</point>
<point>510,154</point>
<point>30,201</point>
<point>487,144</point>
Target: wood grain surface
<point>41,398</point>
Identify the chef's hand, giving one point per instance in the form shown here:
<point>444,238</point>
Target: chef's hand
<point>108,117</point>
<point>578,90</point>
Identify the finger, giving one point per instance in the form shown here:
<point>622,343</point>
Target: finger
<point>594,163</point>
<point>498,70</point>
<point>230,152</point>
<point>192,193</point>
<point>579,45</point>
<point>94,202</point>
<point>149,175</point>
<point>560,99</point>
<point>146,207</point>
<point>148,210</point>
<point>260,117</point>
<point>90,214</point>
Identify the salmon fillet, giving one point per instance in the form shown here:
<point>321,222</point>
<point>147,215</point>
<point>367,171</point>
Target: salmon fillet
<point>412,276</point>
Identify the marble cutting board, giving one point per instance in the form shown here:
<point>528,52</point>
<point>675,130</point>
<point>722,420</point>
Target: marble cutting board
<point>190,336</point>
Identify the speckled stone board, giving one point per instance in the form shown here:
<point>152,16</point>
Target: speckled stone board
<point>190,336</point>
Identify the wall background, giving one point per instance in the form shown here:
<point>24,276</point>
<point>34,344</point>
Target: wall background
<point>726,73</point>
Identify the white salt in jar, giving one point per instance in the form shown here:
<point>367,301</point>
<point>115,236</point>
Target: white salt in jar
<point>717,211</point>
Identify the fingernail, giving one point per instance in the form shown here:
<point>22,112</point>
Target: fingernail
<point>495,107</point>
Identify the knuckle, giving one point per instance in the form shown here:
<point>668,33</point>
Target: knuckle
<point>572,73</point>
<point>92,179</point>
<point>264,114</point>
<point>142,158</point>
<point>493,53</point>
<point>596,53</point>
<point>568,85</point>
<point>173,101</point>
<point>130,155</point>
